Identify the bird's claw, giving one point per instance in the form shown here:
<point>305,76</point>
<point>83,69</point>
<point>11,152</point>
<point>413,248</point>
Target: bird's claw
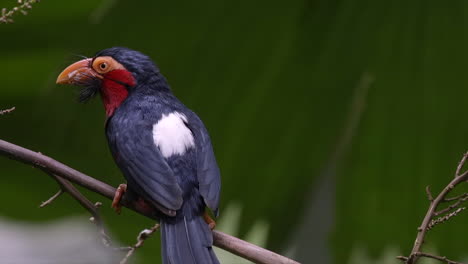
<point>211,223</point>
<point>117,197</point>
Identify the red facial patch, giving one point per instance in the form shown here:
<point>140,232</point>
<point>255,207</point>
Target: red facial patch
<point>114,89</point>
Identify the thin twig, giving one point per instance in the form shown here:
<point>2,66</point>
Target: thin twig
<point>51,199</point>
<point>23,7</point>
<point>460,165</point>
<point>427,255</point>
<point>145,234</point>
<point>429,194</point>
<point>428,221</point>
<point>232,244</point>
<point>451,207</point>
<point>442,259</point>
<point>402,258</point>
<point>461,196</point>
<point>66,186</point>
<point>444,218</point>
<point>7,111</point>
<point>92,208</point>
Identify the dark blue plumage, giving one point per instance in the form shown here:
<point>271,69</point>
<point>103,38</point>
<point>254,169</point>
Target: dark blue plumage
<point>181,183</point>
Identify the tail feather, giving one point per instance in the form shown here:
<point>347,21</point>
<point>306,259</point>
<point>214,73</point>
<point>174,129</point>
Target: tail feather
<point>187,241</point>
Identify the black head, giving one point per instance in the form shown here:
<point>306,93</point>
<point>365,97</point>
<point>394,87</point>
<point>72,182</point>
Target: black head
<point>143,69</point>
<point>140,65</point>
<point>130,69</point>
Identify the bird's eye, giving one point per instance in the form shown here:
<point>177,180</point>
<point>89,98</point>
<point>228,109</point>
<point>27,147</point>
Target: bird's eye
<point>103,65</point>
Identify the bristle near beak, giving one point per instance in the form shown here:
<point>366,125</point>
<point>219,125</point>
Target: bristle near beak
<point>82,74</point>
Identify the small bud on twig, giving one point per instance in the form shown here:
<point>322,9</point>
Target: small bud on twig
<point>6,16</point>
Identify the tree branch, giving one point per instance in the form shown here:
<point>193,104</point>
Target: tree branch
<point>429,222</point>
<point>229,243</point>
<point>66,186</point>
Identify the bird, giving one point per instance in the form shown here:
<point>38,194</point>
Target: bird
<point>162,148</point>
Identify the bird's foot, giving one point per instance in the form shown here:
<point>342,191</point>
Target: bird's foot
<point>117,197</point>
<point>211,223</point>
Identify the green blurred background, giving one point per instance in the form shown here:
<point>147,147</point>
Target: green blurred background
<point>328,118</point>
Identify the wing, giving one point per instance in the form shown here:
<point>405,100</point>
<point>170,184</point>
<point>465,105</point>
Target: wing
<point>208,174</point>
<point>143,165</point>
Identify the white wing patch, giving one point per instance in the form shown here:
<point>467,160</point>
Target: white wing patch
<point>171,135</point>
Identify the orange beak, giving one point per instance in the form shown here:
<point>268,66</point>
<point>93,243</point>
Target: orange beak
<point>78,73</point>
